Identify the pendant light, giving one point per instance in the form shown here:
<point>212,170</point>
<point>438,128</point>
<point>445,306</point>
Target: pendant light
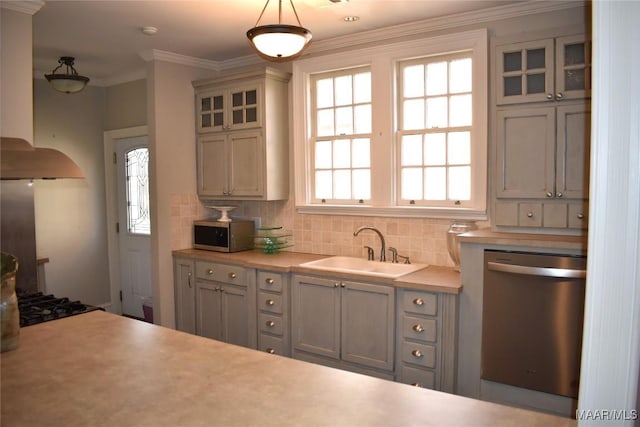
<point>279,42</point>
<point>71,82</point>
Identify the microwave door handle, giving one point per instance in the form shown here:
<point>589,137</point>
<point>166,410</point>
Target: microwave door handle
<point>565,273</point>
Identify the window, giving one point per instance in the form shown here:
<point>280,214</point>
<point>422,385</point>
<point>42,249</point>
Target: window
<point>435,111</point>
<point>398,129</point>
<point>137,187</point>
<point>341,136</point>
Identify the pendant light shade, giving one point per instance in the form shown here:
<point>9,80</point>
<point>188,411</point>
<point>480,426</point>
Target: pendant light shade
<point>69,82</point>
<point>279,42</point>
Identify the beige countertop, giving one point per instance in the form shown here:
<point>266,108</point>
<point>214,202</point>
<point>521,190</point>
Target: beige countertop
<point>100,369</point>
<point>432,278</point>
<point>487,236</point>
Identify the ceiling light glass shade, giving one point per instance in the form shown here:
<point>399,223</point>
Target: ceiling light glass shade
<point>69,82</point>
<point>279,41</point>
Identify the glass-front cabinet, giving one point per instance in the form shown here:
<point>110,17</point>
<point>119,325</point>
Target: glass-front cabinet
<point>543,70</point>
<point>230,109</point>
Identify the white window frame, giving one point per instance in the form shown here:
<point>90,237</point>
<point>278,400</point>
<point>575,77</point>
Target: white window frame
<point>383,60</point>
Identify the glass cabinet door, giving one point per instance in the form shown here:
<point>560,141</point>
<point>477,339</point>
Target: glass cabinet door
<point>211,112</point>
<point>573,67</point>
<point>524,71</point>
<point>244,108</point>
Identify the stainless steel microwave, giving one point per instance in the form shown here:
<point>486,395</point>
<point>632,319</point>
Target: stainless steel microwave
<point>218,236</point>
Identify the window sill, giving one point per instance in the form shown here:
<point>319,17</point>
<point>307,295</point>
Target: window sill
<point>394,211</point>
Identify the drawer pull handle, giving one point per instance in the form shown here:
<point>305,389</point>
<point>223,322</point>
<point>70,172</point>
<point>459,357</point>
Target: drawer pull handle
<point>417,353</point>
<point>269,281</point>
<point>232,275</point>
<point>270,350</point>
<point>416,384</point>
<point>418,301</point>
<point>209,272</point>
<point>271,323</point>
<point>270,302</point>
<point>418,328</point>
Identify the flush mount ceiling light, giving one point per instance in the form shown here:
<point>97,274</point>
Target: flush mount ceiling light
<point>279,42</point>
<point>71,81</point>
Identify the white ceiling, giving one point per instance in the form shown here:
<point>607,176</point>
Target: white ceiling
<point>105,36</point>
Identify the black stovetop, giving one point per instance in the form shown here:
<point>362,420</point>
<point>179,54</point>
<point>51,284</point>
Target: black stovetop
<point>37,307</point>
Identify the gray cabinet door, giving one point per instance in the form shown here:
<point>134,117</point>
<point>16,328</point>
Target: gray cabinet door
<point>212,165</point>
<point>246,154</point>
<point>367,324</point>
<point>526,152</point>
<point>235,315</point>
<point>185,295</point>
<point>573,146</point>
<point>208,310</point>
<point>315,322</point>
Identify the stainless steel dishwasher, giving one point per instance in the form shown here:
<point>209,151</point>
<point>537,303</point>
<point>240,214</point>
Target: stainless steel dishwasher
<point>532,315</point>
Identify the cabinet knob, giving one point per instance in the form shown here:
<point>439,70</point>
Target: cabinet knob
<point>336,285</point>
<point>270,302</point>
<point>417,353</point>
<point>549,96</point>
<point>209,272</point>
<point>559,96</point>
<point>580,216</point>
<point>270,350</point>
<point>559,194</point>
<point>269,281</point>
<point>416,384</point>
<point>232,275</point>
<point>217,288</point>
<point>271,323</point>
<point>549,194</point>
<point>529,214</point>
<point>418,328</point>
<point>221,289</point>
<point>418,301</point>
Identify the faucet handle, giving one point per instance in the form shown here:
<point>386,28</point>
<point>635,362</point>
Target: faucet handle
<point>406,259</point>
<point>370,253</point>
<point>394,255</point>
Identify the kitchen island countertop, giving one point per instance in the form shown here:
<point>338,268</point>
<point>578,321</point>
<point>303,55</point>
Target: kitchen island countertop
<point>100,369</point>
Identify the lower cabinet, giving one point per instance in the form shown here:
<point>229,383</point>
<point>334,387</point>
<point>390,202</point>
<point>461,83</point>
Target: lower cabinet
<point>185,294</point>
<point>225,304</point>
<point>273,312</point>
<point>344,324</point>
<point>426,339</point>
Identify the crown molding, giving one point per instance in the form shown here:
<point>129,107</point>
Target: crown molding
<point>29,7</point>
<point>176,58</point>
<point>497,13</point>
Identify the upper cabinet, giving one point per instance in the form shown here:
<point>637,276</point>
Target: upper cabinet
<point>552,69</point>
<point>243,140</point>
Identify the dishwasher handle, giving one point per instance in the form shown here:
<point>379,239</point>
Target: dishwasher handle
<point>537,271</point>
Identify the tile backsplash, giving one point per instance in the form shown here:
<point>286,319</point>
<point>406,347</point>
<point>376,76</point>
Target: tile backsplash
<point>424,240</point>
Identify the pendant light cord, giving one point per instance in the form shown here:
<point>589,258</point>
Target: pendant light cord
<point>279,12</point>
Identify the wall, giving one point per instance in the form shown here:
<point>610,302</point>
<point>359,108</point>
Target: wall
<point>71,213</point>
<point>126,105</point>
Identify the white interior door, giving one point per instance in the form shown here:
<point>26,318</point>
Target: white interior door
<point>134,236</point>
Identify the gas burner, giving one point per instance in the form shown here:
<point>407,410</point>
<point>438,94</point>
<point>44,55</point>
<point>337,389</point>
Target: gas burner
<point>37,308</point>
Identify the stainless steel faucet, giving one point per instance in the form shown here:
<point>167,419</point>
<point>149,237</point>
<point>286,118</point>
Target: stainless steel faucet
<point>383,257</point>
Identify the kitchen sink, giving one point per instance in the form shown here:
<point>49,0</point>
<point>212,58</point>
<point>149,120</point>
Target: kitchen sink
<point>353,265</point>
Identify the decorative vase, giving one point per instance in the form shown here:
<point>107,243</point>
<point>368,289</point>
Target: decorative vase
<point>453,245</point>
<point>10,318</point>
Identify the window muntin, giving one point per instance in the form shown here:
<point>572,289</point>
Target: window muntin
<point>341,137</point>
<point>435,130</point>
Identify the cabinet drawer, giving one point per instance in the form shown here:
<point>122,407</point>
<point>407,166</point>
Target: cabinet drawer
<point>269,281</point>
<point>417,328</point>
<point>270,302</point>
<point>424,378</point>
<point>530,215</point>
<point>419,354</point>
<point>220,272</point>
<point>271,344</point>
<point>420,302</point>
<point>270,323</point>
